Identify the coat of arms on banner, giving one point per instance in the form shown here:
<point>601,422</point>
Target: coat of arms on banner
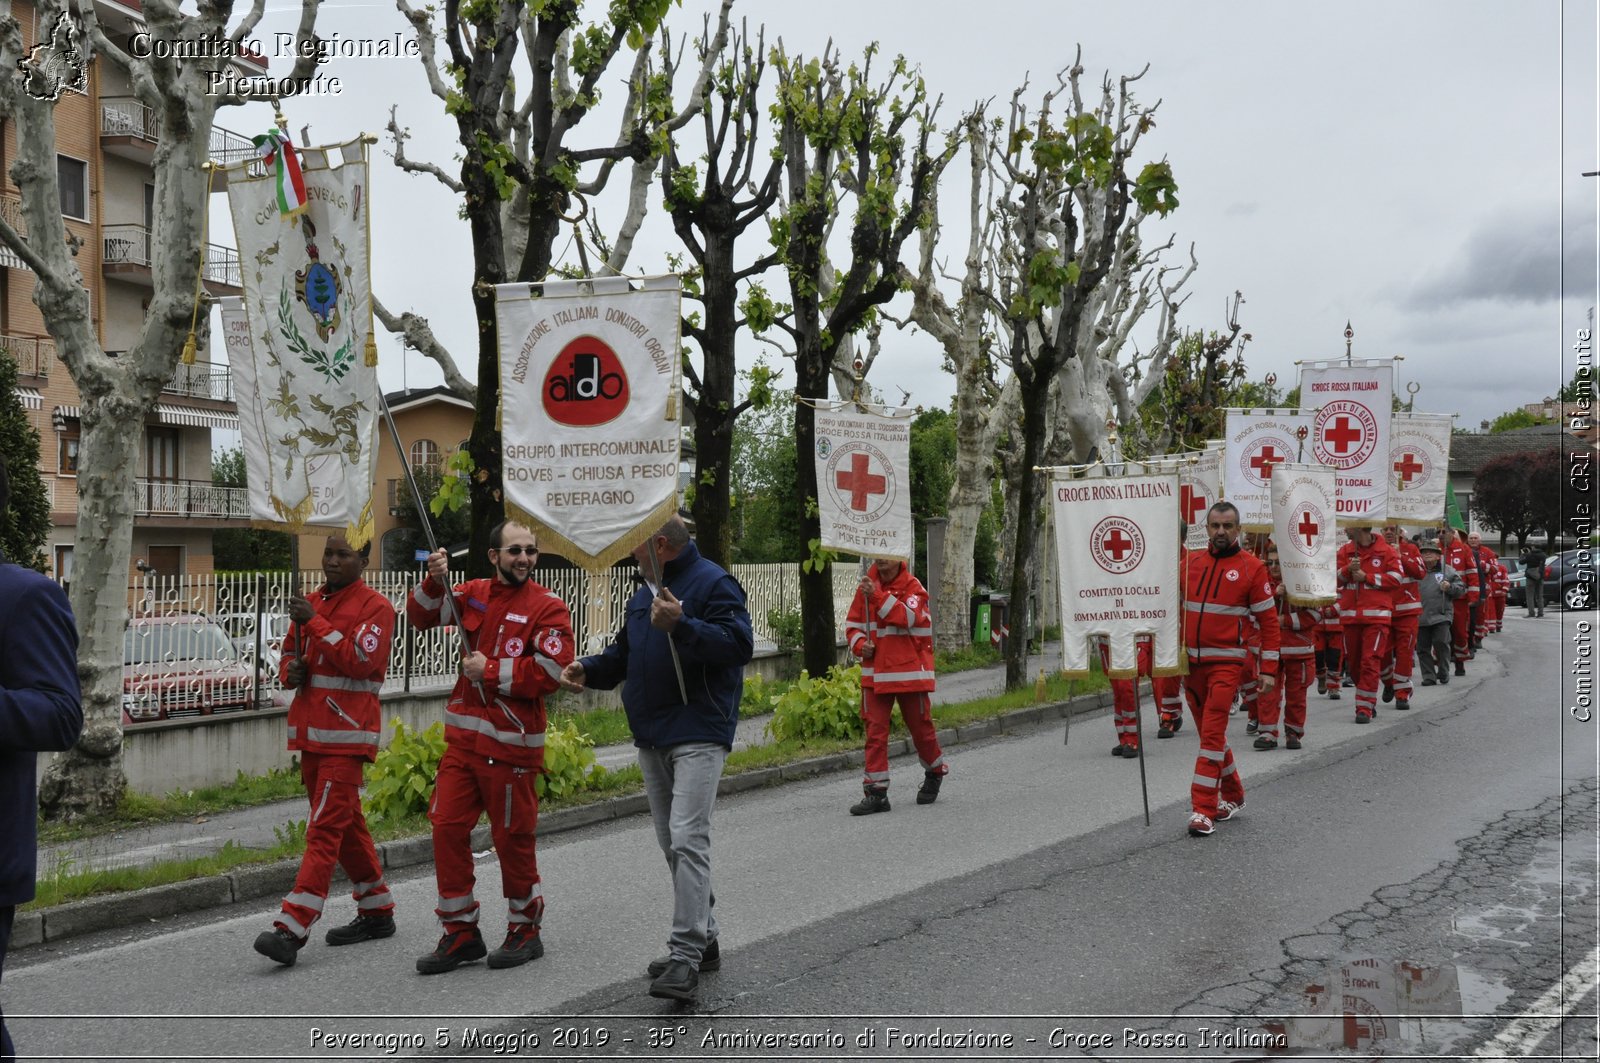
<point>864,500</point>
<point>1351,404</point>
<point>1117,554</point>
<point>1305,531</point>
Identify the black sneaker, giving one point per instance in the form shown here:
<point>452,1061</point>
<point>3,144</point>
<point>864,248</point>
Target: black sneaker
<point>1252,726</point>
<point>279,945</point>
<point>522,944</point>
<point>453,950</point>
<point>710,960</point>
<point>871,801</point>
<point>678,982</point>
<point>1429,681</point>
<point>1461,669</point>
<point>1322,684</point>
<point>1291,742</point>
<point>1388,693</point>
<point>362,928</point>
<point>1168,728</point>
<point>1362,717</point>
<point>1333,695</point>
<point>927,794</point>
<point>1265,743</point>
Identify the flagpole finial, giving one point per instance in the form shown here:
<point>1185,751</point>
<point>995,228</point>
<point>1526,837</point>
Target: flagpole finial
<point>1349,334</point>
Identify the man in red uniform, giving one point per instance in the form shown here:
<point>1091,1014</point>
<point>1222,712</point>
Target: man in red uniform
<point>1459,556</point>
<point>1401,656</point>
<point>1502,591</point>
<point>334,660</point>
<point>520,638</point>
<point>1330,652</point>
<point>1297,628</point>
<point>1369,572</point>
<point>890,630</point>
<point>1223,589</point>
<point>1486,560</point>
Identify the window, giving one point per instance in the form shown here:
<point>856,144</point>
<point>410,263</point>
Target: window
<point>425,455</point>
<point>73,177</point>
<point>161,454</point>
<point>67,451</point>
<point>64,564</point>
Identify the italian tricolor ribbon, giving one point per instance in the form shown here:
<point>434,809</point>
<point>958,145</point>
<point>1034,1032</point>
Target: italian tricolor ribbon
<point>277,150</point>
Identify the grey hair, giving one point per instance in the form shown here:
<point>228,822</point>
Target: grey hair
<point>675,532</point>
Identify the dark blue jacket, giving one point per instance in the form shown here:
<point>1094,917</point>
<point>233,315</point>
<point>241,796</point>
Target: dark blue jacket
<point>714,641</point>
<point>40,710</point>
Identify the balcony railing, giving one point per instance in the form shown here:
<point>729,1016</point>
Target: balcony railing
<point>11,211</point>
<point>189,498</point>
<point>129,245</point>
<point>124,116</point>
<point>202,380</point>
<point>33,354</point>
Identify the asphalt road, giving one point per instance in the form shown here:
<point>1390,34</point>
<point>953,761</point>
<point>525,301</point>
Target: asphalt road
<point>1030,902</point>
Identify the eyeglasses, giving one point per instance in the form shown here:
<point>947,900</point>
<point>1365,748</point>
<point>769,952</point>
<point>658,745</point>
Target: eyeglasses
<point>518,551</point>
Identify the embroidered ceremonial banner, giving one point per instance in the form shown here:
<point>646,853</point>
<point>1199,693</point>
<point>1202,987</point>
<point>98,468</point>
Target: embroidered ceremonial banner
<point>1117,555</point>
<point>1256,441</point>
<point>864,480</point>
<point>1419,467</point>
<point>1305,533</point>
<point>589,412</point>
<point>1199,487</point>
<point>1351,407</point>
<point>302,363</point>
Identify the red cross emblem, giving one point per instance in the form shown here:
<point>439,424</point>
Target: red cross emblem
<point>1342,435</point>
<point>1117,544</point>
<point>1408,466</point>
<point>859,482</point>
<point>1263,462</point>
<point>1191,503</point>
<point>1307,526</point>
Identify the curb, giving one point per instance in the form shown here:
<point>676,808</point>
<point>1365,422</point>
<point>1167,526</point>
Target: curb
<point>252,883</point>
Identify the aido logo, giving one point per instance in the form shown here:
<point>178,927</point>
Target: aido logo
<point>586,384</point>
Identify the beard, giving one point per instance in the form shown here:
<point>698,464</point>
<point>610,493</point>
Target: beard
<point>510,575</point>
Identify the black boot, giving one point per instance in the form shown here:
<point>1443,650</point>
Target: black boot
<point>928,792</point>
<point>871,801</point>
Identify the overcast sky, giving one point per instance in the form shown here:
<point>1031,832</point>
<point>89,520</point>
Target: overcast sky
<point>1414,168</point>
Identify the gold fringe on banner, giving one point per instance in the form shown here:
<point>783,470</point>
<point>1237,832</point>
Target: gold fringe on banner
<point>553,543</point>
<point>191,344</point>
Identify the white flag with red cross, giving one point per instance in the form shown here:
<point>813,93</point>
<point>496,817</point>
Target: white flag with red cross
<point>864,480</point>
<point>1351,405</point>
<point>1117,556</point>
<point>1254,443</point>
<point>1419,467</point>
<point>1199,488</point>
<point>1305,533</point>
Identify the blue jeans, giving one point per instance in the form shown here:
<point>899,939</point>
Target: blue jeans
<point>680,783</point>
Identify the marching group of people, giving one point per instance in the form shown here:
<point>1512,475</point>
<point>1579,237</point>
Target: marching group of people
<point>1403,605</point>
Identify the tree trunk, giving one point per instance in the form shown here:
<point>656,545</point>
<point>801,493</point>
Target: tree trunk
<point>1035,406</point>
<point>485,493</point>
<point>714,409</point>
<point>820,642</point>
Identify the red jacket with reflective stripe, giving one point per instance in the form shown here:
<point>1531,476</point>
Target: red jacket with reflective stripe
<point>1297,628</point>
<point>897,620</point>
<point>1222,593</point>
<point>1458,555</point>
<point>1408,596</point>
<point>1370,601</point>
<point>346,648</point>
<point>526,634</point>
<point>1502,579</point>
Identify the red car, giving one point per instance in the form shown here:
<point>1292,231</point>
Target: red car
<point>184,665</point>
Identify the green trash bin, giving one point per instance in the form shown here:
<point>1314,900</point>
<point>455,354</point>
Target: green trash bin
<point>980,623</point>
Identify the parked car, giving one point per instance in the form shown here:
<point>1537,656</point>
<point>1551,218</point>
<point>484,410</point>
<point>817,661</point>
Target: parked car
<point>274,628</point>
<point>182,665</point>
<point>1569,578</point>
<point>1516,593</point>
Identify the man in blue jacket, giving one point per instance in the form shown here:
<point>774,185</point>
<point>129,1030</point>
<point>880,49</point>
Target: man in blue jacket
<point>40,711</point>
<point>699,609</point>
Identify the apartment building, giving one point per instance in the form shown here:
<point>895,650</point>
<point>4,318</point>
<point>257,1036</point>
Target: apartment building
<point>105,143</point>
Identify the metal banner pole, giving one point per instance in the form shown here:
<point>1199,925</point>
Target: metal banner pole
<point>655,576</point>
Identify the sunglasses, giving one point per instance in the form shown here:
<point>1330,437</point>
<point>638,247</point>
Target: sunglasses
<point>518,551</point>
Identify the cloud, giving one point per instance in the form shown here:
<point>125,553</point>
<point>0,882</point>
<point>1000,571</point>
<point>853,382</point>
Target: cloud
<point>1514,257</point>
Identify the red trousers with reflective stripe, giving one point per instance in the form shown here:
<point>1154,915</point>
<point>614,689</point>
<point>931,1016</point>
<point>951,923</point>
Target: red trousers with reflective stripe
<point>1211,688</point>
<point>916,709</point>
<point>1460,630</point>
<point>1364,646</point>
<point>1125,696</point>
<point>336,834</point>
<point>1330,657</point>
<point>1168,691</point>
<point>1401,656</point>
<point>469,785</point>
<point>1288,697</point>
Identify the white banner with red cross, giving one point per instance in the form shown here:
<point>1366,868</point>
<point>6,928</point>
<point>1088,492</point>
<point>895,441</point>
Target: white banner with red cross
<point>1199,488</point>
<point>864,479</point>
<point>1351,405</point>
<point>589,412</point>
<point>1419,467</point>
<point>1118,555</point>
<point>1254,443</point>
<point>1304,531</point>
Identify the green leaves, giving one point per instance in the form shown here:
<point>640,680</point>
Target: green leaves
<point>826,708</point>
<point>821,557</point>
<point>452,494</point>
<point>1155,191</point>
<point>400,781</point>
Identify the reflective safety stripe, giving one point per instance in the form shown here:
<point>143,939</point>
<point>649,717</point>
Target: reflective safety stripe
<point>293,925</point>
<point>1229,770</point>
<point>361,654</point>
<point>1211,754</point>
<point>294,732</point>
<point>507,823</point>
<point>936,762</point>
<point>1269,655</point>
<point>327,788</point>
<point>366,887</point>
<point>340,682</point>
<point>901,677</point>
<point>1220,610</point>
<point>506,678</point>
<point>914,632</point>
<point>1375,614</point>
<point>484,727</point>
<point>515,907</point>
<point>1201,780</point>
<point>1408,607</point>
<point>455,904</point>
<point>376,900</point>
<point>550,666</point>
<point>1263,606</point>
<point>333,638</point>
<point>877,776</point>
<point>1299,651</point>
<point>888,606</point>
<point>305,900</point>
<point>342,738</point>
<point>427,601</point>
<point>1235,652</point>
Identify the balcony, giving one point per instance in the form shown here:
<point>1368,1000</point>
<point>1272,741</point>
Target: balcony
<point>202,380</point>
<point>190,499</point>
<point>130,130</point>
<point>11,211</point>
<point>32,354</point>
<point>126,256</point>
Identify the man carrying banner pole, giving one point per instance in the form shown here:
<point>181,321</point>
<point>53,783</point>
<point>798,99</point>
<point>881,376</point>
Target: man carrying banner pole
<point>1369,574</point>
<point>1401,657</point>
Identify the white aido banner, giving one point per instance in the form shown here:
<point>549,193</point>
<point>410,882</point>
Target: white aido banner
<point>864,480</point>
<point>1117,557</point>
<point>1199,488</point>
<point>589,412</point>
<point>1305,533</point>
<point>1255,442</point>
<point>1351,406</point>
<point>1419,467</point>
<point>299,346</point>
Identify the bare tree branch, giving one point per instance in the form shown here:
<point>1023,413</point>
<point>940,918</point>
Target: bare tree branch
<point>400,137</point>
<point>417,333</point>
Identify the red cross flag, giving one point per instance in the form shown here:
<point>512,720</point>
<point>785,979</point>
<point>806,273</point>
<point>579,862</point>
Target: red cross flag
<point>1256,442</point>
<point>589,412</point>
<point>1351,406</point>
<point>1199,488</point>
<point>1117,552</point>
<point>864,480</point>
<point>1305,532</point>
<point>1419,464</point>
